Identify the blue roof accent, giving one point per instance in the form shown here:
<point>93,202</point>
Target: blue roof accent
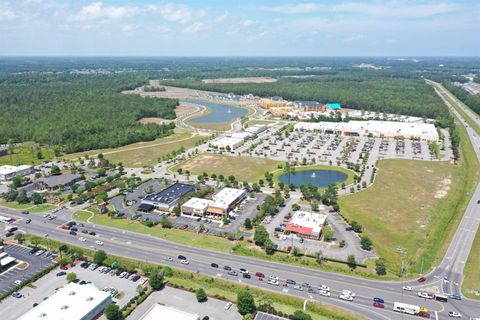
<point>172,194</point>
<point>334,105</point>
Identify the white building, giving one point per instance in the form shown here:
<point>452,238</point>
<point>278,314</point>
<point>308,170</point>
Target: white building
<point>225,200</point>
<point>8,172</point>
<point>196,207</point>
<point>159,311</point>
<point>232,143</point>
<point>72,302</point>
<point>241,135</point>
<point>385,129</point>
<point>256,129</point>
<point>309,224</point>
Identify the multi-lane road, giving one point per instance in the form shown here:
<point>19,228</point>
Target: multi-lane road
<point>156,250</point>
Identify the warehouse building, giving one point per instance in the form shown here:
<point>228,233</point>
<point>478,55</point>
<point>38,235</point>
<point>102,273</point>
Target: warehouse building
<point>256,129</point>
<point>8,172</point>
<point>381,129</point>
<point>225,200</point>
<point>309,106</point>
<point>72,302</point>
<point>307,224</point>
<point>241,135</point>
<point>166,199</point>
<point>228,143</point>
<point>59,182</point>
<point>195,207</point>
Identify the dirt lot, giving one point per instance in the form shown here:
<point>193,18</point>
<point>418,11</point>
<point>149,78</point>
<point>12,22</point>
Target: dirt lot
<point>172,93</point>
<point>241,80</point>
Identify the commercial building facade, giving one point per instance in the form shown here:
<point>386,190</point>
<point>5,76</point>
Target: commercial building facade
<point>195,207</point>
<point>61,181</point>
<point>166,199</point>
<point>72,302</point>
<point>159,312</point>
<point>307,224</point>
<point>226,200</point>
<point>8,172</point>
<point>228,143</point>
<point>381,129</point>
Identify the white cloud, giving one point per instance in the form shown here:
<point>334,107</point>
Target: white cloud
<point>194,28</point>
<point>97,11</point>
<point>247,23</point>
<point>222,17</point>
<point>258,36</point>
<point>6,13</point>
<point>176,12</point>
<point>293,8</point>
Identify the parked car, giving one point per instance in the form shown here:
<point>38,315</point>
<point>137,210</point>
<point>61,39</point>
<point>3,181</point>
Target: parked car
<point>17,294</point>
<point>228,305</point>
<point>63,267</point>
<point>61,273</point>
<point>17,282</point>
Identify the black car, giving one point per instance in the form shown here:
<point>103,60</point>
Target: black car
<point>92,233</point>
<point>84,231</point>
<point>290,281</point>
<point>25,212</point>
<point>214,265</point>
<point>33,250</point>
<point>8,234</point>
<point>74,229</point>
<point>180,257</point>
<point>228,268</point>
<point>73,233</point>
<point>28,221</point>
<point>84,265</point>
<point>247,276</point>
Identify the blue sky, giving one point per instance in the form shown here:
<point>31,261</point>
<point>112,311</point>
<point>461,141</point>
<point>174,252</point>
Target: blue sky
<point>240,28</point>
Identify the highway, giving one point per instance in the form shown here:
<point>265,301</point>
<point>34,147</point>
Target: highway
<point>148,248</point>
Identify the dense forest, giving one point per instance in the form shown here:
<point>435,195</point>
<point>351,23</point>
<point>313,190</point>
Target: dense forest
<point>352,89</point>
<point>473,101</point>
<point>79,112</point>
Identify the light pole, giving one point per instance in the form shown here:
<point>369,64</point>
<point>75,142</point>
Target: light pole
<point>403,253</point>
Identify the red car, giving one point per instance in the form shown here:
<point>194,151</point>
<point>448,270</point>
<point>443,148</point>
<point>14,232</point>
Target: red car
<point>422,279</point>
<point>259,274</point>
<point>379,305</point>
<point>424,314</point>
<point>63,267</point>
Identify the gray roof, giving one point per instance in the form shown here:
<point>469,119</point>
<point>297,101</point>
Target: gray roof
<point>266,316</point>
<point>171,194</point>
<point>63,179</point>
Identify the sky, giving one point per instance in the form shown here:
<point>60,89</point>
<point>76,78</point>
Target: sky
<point>239,28</point>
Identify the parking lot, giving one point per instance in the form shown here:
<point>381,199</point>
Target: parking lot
<point>12,308</point>
<point>35,263</point>
<point>186,301</point>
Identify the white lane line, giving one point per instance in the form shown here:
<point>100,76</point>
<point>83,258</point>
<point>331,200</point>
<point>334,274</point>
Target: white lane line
<point>436,315</point>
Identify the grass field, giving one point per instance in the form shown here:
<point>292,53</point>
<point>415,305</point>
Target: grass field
<point>350,174</point>
<point>27,154</point>
<point>243,168</point>
<point>406,206</point>
<point>28,206</point>
<point>144,153</point>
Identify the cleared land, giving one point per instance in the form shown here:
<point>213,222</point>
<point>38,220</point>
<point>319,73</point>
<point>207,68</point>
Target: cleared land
<point>144,153</point>
<point>414,204</point>
<point>28,206</point>
<point>241,80</point>
<point>243,168</point>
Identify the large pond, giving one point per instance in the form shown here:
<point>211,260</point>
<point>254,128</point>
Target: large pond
<point>219,113</point>
<point>320,178</point>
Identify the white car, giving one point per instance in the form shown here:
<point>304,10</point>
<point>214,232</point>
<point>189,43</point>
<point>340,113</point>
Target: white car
<point>228,305</point>
<point>345,297</point>
<point>324,293</point>
<point>17,282</point>
<point>324,288</point>
<point>98,242</point>
<point>82,239</point>
<point>425,295</point>
<point>184,262</point>
<point>273,282</point>
<point>348,293</point>
<point>454,314</point>
<point>142,281</point>
<point>407,288</point>
<point>298,287</point>
<point>169,259</point>
<point>243,270</point>
<point>272,278</point>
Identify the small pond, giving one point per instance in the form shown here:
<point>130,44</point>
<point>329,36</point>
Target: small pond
<point>320,178</point>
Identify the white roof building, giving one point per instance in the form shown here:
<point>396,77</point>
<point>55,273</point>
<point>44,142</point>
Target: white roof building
<point>72,302</point>
<point>388,129</point>
<point>225,142</point>
<point>158,311</point>
<point>225,197</point>
<point>196,206</point>
<point>307,223</point>
<point>8,172</point>
<point>241,135</point>
<point>256,129</point>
